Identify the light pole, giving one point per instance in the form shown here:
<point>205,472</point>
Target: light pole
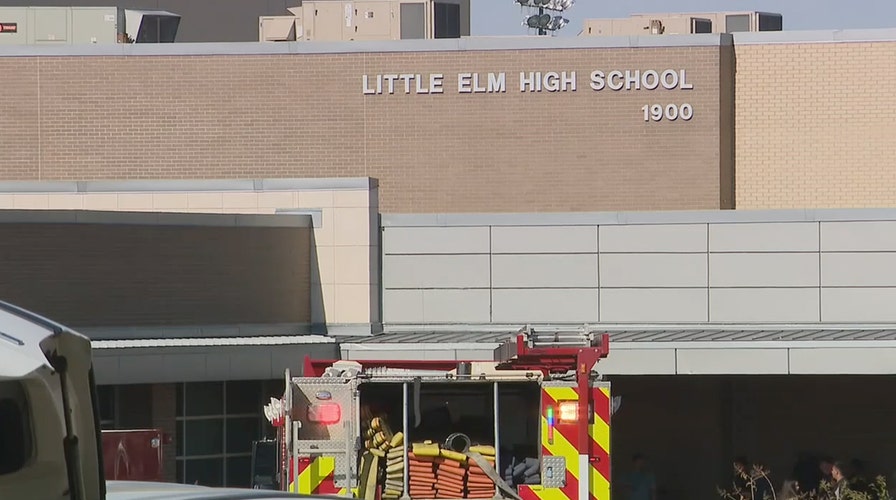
<point>544,22</point>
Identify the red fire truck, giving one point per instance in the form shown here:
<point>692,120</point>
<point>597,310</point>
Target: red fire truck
<point>532,425</point>
<point>133,455</point>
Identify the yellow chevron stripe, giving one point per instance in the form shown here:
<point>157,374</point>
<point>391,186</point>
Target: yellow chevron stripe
<point>599,485</point>
<point>548,493</point>
<point>561,448</point>
<point>562,393</point>
<point>313,475</point>
<point>600,433</point>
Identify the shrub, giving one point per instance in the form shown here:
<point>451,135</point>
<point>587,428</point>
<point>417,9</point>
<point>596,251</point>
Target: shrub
<point>757,480</point>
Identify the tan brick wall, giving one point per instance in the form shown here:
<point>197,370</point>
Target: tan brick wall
<point>110,275</point>
<point>815,125</point>
<point>80,118</point>
<point>344,283</point>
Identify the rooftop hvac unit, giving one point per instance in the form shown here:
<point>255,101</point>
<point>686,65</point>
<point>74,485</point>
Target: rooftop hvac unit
<point>151,26</point>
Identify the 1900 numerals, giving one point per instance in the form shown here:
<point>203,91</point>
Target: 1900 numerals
<point>671,112</point>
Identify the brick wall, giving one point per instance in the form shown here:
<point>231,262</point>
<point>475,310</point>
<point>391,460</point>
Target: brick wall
<point>815,126</point>
<point>304,115</point>
<point>107,275</point>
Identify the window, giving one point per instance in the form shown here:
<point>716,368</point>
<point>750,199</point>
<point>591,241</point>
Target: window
<point>413,21</point>
<point>737,22</point>
<point>701,25</point>
<point>107,396</point>
<point>216,424</point>
<point>447,20</point>
<point>771,22</point>
<point>15,427</point>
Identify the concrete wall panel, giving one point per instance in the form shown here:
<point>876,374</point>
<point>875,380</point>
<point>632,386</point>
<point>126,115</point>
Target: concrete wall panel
<point>436,240</point>
<point>544,239</point>
<point>758,305</point>
<point>653,238</point>
<point>558,305</point>
<point>721,361</point>
<point>640,362</point>
<point>544,271</point>
<point>456,306</point>
<point>871,361</point>
<point>403,306</point>
<point>764,237</point>
<point>659,305</point>
<point>436,271</point>
<point>653,270</point>
<point>862,236</point>
<point>763,269</point>
<point>861,305</point>
<point>858,269</point>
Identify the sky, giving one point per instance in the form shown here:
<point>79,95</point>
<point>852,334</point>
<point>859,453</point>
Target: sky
<point>503,17</point>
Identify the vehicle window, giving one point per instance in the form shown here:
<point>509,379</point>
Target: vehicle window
<point>15,427</point>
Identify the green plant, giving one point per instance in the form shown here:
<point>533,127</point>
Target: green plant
<point>755,484</point>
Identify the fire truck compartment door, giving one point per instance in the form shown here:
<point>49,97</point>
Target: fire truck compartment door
<point>325,409</point>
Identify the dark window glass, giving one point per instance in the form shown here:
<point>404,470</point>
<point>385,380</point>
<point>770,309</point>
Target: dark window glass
<point>180,471</point>
<point>241,432</point>
<point>179,438</point>
<point>15,428</point>
<point>205,471</point>
<point>204,437</point>
<point>239,472</point>
<point>106,397</point>
<point>180,400</point>
<point>447,20</point>
<point>204,398</point>
<point>702,26</point>
<point>244,397</point>
<point>770,22</point>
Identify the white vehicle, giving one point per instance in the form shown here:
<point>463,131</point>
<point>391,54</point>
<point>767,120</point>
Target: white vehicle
<point>50,440</point>
<point>48,428</point>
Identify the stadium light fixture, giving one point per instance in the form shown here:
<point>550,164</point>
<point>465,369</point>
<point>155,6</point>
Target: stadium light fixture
<point>543,21</point>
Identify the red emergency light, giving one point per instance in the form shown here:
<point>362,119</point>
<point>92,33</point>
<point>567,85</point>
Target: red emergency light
<point>325,413</point>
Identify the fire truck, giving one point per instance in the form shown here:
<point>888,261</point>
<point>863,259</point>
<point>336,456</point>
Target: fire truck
<point>532,425</point>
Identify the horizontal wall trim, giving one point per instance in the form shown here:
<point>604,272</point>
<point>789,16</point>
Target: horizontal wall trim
<point>623,346</point>
<point>187,185</point>
<point>638,218</point>
<point>611,326</point>
<point>823,358</point>
<point>466,44</point>
<point>19,216</point>
<point>815,36</point>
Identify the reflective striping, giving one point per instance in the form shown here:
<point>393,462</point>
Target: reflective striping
<point>564,445</point>
<point>313,475</point>
<point>560,448</point>
<point>548,493</point>
<point>599,432</point>
<point>600,486</point>
<point>562,393</point>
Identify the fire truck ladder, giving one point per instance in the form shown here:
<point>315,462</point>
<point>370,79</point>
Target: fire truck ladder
<point>572,353</point>
<point>554,351</point>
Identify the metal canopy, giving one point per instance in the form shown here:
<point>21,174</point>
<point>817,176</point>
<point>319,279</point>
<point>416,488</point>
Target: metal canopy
<point>676,351</point>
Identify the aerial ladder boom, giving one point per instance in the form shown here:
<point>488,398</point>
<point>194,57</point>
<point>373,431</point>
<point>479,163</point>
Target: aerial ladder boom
<point>557,351</point>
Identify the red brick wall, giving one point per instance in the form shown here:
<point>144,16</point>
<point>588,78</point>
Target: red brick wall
<point>257,116</point>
